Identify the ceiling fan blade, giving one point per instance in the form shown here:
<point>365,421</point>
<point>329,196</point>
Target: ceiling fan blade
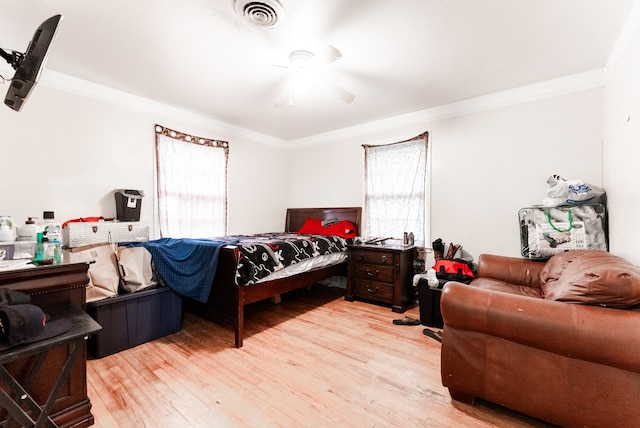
<point>339,91</point>
<point>325,56</point>
<point>284,98</point>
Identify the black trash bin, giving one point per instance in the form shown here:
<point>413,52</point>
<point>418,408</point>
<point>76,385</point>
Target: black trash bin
<point>128,204</point>
<point>429,300</point>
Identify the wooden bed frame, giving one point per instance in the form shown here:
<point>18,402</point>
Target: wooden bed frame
<point>227,299</point>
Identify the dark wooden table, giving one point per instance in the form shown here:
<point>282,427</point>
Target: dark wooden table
<point>52,287</point>
<point>82,326</point>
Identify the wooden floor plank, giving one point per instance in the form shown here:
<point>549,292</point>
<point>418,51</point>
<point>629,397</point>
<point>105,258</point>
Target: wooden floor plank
<point>313,360</point>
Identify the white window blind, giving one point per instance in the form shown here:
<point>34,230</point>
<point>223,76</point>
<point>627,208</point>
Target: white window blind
<point>192,185</point>
<point>396,183</point>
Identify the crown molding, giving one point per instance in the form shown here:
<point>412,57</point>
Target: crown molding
<point>74,85</point>
<point>550,88</point>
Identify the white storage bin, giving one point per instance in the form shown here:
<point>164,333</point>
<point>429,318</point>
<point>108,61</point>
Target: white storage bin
<point>78,234</point>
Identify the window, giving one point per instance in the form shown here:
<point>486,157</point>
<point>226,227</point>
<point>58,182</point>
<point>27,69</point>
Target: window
<point>395,193</point>
<point>192,185</point>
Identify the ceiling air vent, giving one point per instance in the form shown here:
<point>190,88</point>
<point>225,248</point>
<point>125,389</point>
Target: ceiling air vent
<point>264,14</point>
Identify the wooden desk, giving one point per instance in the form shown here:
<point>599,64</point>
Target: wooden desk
<point>52,287</point>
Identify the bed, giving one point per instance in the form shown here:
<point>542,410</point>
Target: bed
<point>227,299</point>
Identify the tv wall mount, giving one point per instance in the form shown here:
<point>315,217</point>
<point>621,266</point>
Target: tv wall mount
<point>29,65</point>
<point>14,58</point>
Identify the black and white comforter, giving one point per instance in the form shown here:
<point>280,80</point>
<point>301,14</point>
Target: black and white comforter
<point>264,254</point>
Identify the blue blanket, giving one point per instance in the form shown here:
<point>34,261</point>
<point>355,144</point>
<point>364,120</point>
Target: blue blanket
<point>187,266</point>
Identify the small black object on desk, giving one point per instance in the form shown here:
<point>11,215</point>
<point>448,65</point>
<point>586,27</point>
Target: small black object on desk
<point>82,326</point>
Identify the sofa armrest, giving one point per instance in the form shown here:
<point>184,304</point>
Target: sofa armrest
<point>600,335</point>
<point>510,269</point>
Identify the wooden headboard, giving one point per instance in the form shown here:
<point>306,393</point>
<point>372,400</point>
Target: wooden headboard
<point>297,216</point>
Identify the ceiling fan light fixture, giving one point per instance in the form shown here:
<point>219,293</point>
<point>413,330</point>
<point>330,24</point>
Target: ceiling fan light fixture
<point>306,73</point>
<point>303,80</point>
<point>304,77</point>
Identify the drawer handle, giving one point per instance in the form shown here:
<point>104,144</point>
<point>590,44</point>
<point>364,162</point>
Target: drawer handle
<point>372,290</point>
<point>360,257</point>
<point>373,274</point>
<point>383,259</point>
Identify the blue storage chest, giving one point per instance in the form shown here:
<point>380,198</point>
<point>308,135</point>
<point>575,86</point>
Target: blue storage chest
<point>130,320</point>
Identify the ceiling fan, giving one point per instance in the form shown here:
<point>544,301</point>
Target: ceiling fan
<point>306,73</point>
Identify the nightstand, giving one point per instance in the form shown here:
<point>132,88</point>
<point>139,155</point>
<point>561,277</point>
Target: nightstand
<point>381,273</point>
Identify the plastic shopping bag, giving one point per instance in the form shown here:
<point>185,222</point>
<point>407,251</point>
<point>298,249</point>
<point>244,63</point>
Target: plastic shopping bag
<point>568,192</point>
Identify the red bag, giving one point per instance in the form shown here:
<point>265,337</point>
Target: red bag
<point>454,270</point>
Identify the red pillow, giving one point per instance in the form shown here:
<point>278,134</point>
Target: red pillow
<point>313,226</point>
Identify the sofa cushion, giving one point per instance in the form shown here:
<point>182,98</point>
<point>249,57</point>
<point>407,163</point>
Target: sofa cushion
<point>591,277</point>
<point>505,287</point>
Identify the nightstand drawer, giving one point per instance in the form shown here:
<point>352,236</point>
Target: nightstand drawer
<point>374,273</point>
<point>373,257</point>
<point>373,290</point>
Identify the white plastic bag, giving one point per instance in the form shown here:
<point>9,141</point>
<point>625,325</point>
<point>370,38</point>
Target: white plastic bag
<point>561,191</point>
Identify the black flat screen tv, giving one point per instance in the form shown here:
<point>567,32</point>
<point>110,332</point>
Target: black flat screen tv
<point>29,65</point>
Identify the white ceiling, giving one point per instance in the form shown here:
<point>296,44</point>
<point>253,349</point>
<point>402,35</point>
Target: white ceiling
<point>398,56</point>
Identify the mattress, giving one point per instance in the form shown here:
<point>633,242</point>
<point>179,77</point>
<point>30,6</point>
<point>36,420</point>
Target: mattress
<point>260,256</point>
<point>318,262</point>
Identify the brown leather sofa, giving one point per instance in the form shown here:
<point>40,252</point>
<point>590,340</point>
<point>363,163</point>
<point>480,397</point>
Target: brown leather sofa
<point>512,339</point>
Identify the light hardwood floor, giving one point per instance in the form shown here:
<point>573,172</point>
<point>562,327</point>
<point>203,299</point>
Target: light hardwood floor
<point>314,360</point>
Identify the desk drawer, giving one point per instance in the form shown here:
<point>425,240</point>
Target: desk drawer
<point>374,273</point>
<point>373,290</point>
<point>373,257</point>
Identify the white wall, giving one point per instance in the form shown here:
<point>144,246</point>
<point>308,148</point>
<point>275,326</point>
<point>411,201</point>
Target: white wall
<point>67,153</point>
<point>622,150</point>
<point>485,166</point>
